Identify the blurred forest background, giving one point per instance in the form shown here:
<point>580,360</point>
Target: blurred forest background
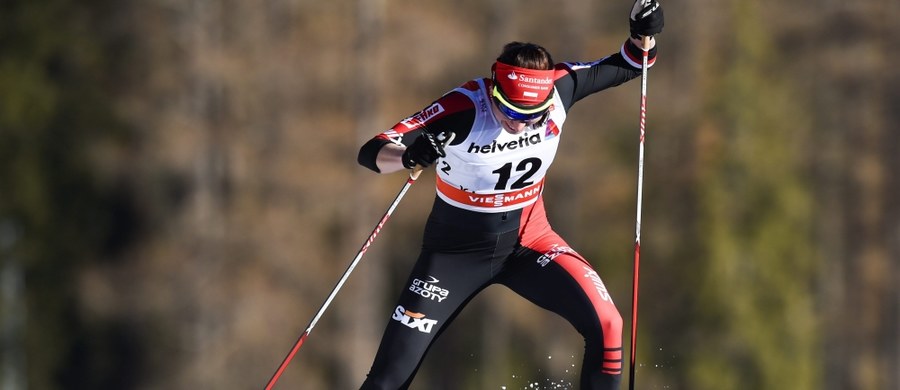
<point>179,191</point>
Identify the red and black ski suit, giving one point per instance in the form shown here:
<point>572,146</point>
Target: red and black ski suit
<point>488,225</point>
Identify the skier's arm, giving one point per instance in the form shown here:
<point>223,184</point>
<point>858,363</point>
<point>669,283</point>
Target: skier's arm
<point>576,80</point>
<point>390,158</point>
<point>384,153</point>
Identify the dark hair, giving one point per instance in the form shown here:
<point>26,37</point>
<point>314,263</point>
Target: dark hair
<point>526,55</point>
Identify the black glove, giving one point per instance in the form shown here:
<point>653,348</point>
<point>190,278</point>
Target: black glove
<point>423,151</point>
<point>646,18</point>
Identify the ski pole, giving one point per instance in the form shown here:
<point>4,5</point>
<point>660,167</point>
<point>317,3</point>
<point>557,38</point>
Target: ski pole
<point>645,43</point>
<point>409,181</point>
<point>413,175</point>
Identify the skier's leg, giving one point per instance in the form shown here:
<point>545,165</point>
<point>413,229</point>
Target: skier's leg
<point>440,285</point>
<point>556,278</point>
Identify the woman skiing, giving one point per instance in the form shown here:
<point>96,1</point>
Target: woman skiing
<point>491,141</point>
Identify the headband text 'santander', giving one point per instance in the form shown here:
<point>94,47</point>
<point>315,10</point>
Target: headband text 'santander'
<point>525,90</point>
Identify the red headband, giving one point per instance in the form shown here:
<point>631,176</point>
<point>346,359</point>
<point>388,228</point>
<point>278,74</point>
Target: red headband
<point>524,88</point>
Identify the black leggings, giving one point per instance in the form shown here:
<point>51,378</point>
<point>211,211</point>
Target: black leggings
<point>464,252</point>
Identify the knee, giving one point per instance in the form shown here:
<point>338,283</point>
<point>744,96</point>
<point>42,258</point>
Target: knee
<point>611,322</point>
<point>606,329</point>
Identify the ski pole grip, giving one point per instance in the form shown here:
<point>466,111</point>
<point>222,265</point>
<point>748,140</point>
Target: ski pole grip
<point>445,140</point>
<point>645,42</point>
<point>416,171</point>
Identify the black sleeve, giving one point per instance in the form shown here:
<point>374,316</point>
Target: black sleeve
<point>369,152</point>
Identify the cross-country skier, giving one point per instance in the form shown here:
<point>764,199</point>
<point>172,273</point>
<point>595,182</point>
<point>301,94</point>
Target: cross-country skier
<point>488,223</point>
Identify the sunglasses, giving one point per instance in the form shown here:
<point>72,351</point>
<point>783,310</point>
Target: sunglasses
<point>514,115</point>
